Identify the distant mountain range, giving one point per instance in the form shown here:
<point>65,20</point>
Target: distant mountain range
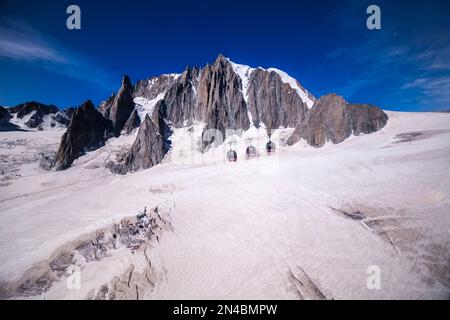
<point>37,115</point>
<point>223,95</point>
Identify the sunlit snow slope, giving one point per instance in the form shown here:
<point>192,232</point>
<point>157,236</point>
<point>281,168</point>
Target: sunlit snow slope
<point>272,227</point>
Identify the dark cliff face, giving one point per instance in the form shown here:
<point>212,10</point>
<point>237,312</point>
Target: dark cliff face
<point>333,119</point>
<point>148,149</point>
<point>181,98</point>
<point>5,116</point>
<point>151,143</point>
<point>105,106</point>
<point>87,130</point>
<point>120,108</point>
<point>152,87</point>
<point>273,102</point>
<point>212,95</point>
<point>367,118</point>
<point>221,104</point>
<point>132,123</point>
<point>159,119</point>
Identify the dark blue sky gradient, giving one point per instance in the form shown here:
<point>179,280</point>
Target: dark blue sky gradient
<point>323,43</point>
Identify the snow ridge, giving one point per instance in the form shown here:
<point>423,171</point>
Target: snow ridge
<point>244,73</point>
<point>294,85</point>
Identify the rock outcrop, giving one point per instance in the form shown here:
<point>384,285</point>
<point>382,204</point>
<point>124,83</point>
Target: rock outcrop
<point>152,87</point>
<point>181,98</point>
<point>88,129</point>
<point>273,102</point>
<point>132,123</point>
<point>148,149</point>
<point>220,102</point>
<point>121,107</point>
<point>159,119</point>
<point>333,119</point>
<point>105,106</point>
<point>5,116</point>
<point>211,95</point>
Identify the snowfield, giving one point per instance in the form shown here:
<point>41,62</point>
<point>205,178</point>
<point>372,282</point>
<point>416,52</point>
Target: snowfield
<point>303,223</point>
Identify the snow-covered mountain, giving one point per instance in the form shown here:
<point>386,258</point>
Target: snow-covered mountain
<point>301,223</point>
<point>222,96</point>
<point>35,115</point>
<point>246,74</point>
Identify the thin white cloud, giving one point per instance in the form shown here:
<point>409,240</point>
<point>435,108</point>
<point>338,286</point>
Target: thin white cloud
<point>436,87</point>
<point>422,66</point>
<point>27,51</point>
<point>19,42</point>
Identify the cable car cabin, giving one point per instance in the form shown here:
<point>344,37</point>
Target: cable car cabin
<point>232,156</point>
<point>270,147</point>
<point>250,152</point>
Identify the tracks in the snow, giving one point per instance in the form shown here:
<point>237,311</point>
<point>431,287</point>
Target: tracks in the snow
<point>134,236</point>
<point>305,287</point>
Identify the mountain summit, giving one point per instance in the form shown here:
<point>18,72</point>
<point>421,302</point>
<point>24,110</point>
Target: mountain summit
<point>223,95</point>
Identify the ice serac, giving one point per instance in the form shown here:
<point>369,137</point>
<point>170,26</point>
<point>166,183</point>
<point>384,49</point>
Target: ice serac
<point>88,129</point>
<point>333,119</point>
<point>148,149</point>
<point>274,102</point>
<point>121,107</point>
<point>221,104</point>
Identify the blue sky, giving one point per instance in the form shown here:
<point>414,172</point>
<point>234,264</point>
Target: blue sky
<point>323,43</point>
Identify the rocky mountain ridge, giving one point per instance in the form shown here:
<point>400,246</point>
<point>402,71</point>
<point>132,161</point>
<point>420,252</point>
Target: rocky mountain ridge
<point>334,119</point>
<point>222,96</point>
<point>36,115</point>
<point>118,108</point>
<point>87,130</point>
